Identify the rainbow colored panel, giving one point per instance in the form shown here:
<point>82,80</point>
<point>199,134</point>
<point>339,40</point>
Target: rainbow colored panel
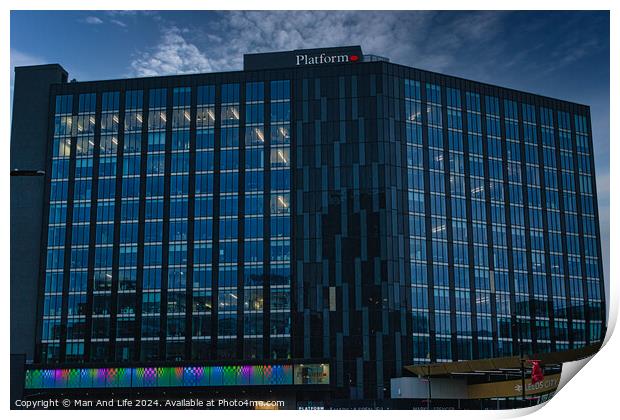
<point>256,377</point>
<point>160,376</point>
<point>85,381</point>
<point>217,375</point>
<point>75,379</point>
<point>204,376</point>
<point>176,377</point>
<point>34,379</point>
<point>123,377</point>
<point>246,372</point>
<point>190,375</point>
<point>48,378</point>
<point>98,377</point>
<point>231,375</point>
<point>150,377</point>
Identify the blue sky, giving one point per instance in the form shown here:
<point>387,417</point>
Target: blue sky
<point>558,54</point>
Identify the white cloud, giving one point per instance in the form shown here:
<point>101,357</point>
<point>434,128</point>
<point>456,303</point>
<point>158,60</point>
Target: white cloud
<point>118,23</point>
<point>408,38</point>
<point>122,17</point>
<point>19,58</point>
<point>93,20</point>
<point>231,34</point>
<point>173,55</point>
<point>443,42</point>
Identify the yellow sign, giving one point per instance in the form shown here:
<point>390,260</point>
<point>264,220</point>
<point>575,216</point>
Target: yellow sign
<point>513,388</point>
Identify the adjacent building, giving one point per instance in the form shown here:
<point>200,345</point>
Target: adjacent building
<point>313,224</point>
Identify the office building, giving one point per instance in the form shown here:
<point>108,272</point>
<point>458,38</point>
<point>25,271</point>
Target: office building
<point>315,224</point>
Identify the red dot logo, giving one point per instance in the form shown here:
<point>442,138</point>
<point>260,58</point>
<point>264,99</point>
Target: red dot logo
<point>354,58</point>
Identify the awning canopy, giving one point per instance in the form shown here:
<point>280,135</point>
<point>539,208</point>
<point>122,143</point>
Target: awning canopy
<point>440,369</point>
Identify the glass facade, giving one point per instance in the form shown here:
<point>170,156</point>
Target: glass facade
<point>374,218</point>
<point>53,300</point>
<point>179,244</point>
<point>279,228</point>
<point>350,272</point>
<point>202,231</point>
<point>515,270</point>
<point>127,297</point>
